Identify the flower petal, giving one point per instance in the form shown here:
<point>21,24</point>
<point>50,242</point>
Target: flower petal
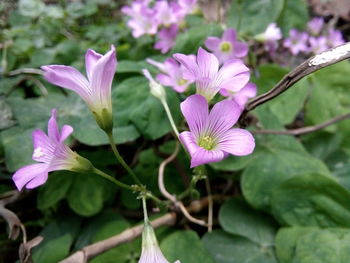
<point>37,172</point>
<point>190,68</point>
<point>195,111</point>
<point>101,79</point>
<point>91,58</point>
<point>65,132</point>
<point>68,78</point>
<point>240,49</point>
<point>212,43</point>
<point>44,147</point>
<point>236,83</point>
<point>222,117</point>
<point>52,128</point>
<point>232,68</point>
<point>208,64</point>
<point>189,141</point>
<point>229,35</point>
<point>203,156</point>
<point>237,142</point>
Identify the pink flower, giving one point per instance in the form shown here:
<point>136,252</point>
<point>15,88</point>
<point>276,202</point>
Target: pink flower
<point>318,44</point>
<point>167,37</point>
<point>164,13</point>
<point>95,90</point>
<point>142,20</point>
<point>172,74</point>
<point>227,47</point>
<point>297,42</point>
<point>51,154</point>
<point>211,138</point>
<point>241,97</point>
<point>151,252</point>
<point>270,37</point>
<point>315,26</point>
<point>334,38</point>
<point>233,75</point>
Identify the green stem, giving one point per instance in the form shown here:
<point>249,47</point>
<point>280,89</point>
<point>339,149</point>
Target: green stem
<point>112,179</point>
<point>170,117</point>
<point>145,214</point>
<point>121,160</point>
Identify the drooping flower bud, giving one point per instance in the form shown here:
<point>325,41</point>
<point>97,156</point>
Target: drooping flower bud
<point>157,90</point>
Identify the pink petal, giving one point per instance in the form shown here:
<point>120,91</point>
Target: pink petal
<point>190,67</point>
<point>212,43</point>
<point>195,110</point>
<point>240,49</point>
<point>208,64</point>
<point>68,78</point>
<point>91,58</point>
<point>165,80</point>
<point>44,147</point>
<point>250,90</point>
<point>102,77</point>
<point>189,141</point>
<point>222,117</point>
<point>203,156</point>
<point>36,172</point>
<point>231,68</point>
<point>237,142</point>
<point>229,35</point>
<point>52,128</point>
<point>65,132</point>
<point>236,83</point>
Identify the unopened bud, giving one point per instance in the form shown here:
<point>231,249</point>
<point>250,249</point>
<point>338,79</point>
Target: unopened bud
<point>157,90</point>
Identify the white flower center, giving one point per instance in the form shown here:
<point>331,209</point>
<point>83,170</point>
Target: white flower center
<point>38,152</point>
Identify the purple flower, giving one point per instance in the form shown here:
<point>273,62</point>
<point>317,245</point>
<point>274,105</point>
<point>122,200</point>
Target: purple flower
<point>211,138</point>
<point>318,44</point>
<point>334,38</point>
<point>164,13</point>
<point>297,42</point>
<point>270,37</point>
<point>142,20</point>
<point>315,26</point>
<point>167,37</point>
<point>151,252</point>
<point>95,90</point>
<point>172,74</point>
<point>227,47</point>
<point>51,154</point>
<point>209,78</point>
<point>241,97</point>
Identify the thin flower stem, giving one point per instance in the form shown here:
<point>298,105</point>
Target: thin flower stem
<point>144,205</point>
<point>113,180</point>
<point>121,160</point>
<point>170,117</point>
<point>161,184</point>
<point>210,205</point>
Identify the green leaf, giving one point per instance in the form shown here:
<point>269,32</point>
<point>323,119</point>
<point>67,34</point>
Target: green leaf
<point>253,16</point>
<point>330,89</point>
<point>188,41</point>
<point>142,109</point>
<point>127,252</point>
<point>31,8</point>
<point>277,158</point>
<point>186,247</point>
<point>311,200</point>
<point>6,115</point>
<point>237,218</point>
<point>287,105</point>
<point>227,248</point>
<point>55,189</point>
<point>232,163</point>
<point>87,194</point>
<point>310,245</point>
<point>295,14</point>
<point>58,238</point>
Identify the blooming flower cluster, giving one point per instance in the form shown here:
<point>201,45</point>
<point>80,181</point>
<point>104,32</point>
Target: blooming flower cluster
<point>315,40</point>
<point>162,15</point>
<point>211,137</point>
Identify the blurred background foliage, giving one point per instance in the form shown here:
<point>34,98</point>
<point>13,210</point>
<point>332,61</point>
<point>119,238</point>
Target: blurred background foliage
<point>289,202</point>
